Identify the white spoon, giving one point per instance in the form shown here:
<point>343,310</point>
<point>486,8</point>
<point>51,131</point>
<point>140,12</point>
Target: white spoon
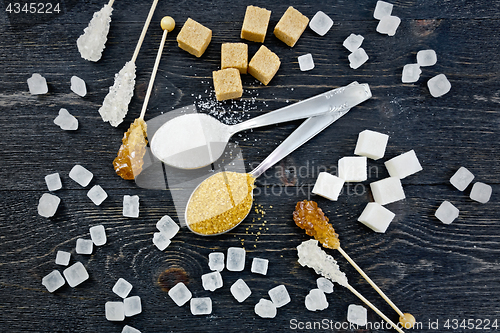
<point>196,140</point>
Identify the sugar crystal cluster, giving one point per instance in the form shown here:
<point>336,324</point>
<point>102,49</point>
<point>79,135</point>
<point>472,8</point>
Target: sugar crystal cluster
<point>167,230</point>
<point>388,24</point>
<point>92,42</point>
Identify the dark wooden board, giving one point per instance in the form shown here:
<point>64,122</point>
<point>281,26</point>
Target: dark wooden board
<point>437,272</point>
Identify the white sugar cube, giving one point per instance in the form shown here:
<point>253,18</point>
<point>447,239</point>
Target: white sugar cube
<point>161,240</point>
<point>131,205</point>
<point>81,175</point>
<point>47,205</point>
<point>328,186</point>
<point>353,42</point>
<point>403,165</point>
<point>481,192</point>
<point>78,86</point>
<point>201,306</point>
<point>84,246</point>
<point>114,311</point>
<point>353,168</point>
<point>382,9</point>
<point>66,121</point>
<point>180,294</point>
<point>376,217</point>
<point>98,235</point>
<point>240,290</point>
<point>325,285</point>
<point>426,58</point>
<point>388,25</point>
<point>316,300</point>
<point>53,281</point>
<point>358,58</point>
<point>75,274</point>
<point>216,261</point>
<point>411,73</point>
<point>462,178</point>
<point>235,260</point>
<point>259,266</point>
<point>306,62</point>
<point>62,258</point>
<point>446,212</point>
<point>320,23</point>
<point>53,182</point>
<point>37,84</point>
<point>167,226</point>
<point>132,306</point>
<point>279,296</point>
<point>357,315</point>
<point>371,144</point>
<point>439,85</point>
<point>97,195</point>
<point>387,190</point>
<point>211,281</point>
<point>130,329</point>
<point>265,309</point>
<point>122,287</point>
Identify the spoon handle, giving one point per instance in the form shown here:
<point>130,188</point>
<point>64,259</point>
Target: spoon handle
<point>343,97</point>
<point>307,130</point>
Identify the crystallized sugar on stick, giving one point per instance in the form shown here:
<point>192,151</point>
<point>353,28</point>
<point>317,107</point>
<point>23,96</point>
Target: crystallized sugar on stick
<point>115,105</point>
<point>92,42</point>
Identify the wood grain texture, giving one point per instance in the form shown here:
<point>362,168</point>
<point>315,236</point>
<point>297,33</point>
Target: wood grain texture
<point>434,271</point>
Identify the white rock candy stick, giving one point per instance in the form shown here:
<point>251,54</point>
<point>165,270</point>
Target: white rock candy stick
<point>115,105</point>
<point>92,42</point>
<point>311,255</point>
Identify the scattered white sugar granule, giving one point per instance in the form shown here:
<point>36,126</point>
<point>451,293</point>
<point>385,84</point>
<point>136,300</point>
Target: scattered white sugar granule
<point>325,285</point>
<point>75,274</point>
<point>62,258</point>
<point>403,165</point>
<point>216,261</point>
<point>411,73</point>
<point>353,168</point>
<point>259,266</point>
<point>306,62</point>
<point>439,85</point>
<point>114,311</point>
<point>376,217</point>
<point>84,246</point>
<point>131,205</point>
<point>97,195</point>
<point>353,42</point>
<point>167,226</point>
<point>481,192</point>
<point>92,42</point>
<point>387,190</point>
<point>320,23</point>
<point>358,58</point>
<point>98,235</point>
<point>316,300</point>
<point>122,288</point>
<point>382,9</point>
<point>130,329</point>
<point>462,178</point>
<point>47,205</point>
<point>81,175</point>
<point>53,182</point>
<point>201,305</point>
<point>78,86</point>
<point>426,58</point>
<point>211,281</point>
<point>37,84</point>
<point>265,309</point>
<point>180,294</point>
<point>371,144</point>
<point>161,241</point>
<point>357,315</point>
<point>235,260</point>
<point>388,25</point>
<point>240,290</point>
<point>328,186</point>
<point>66,121</point>
<point>53,281</point>
<point>132,306</point>
<point>279,296</point>
<point>446,212</point>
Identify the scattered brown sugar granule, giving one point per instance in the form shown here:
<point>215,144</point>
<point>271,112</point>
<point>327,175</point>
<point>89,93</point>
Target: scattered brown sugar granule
<point>234,55</point>
<point>310,217</point>
<point>264,65</point>
<point>227,84</point>
<point>255,24</point>
<point>194,37</point>
<point>291,26</point>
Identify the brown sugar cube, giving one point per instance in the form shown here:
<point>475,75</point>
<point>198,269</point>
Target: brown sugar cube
<point>291,26</point>
<point>227,84</point>
<point>234,55</point>
<point>264,65</point>
<point>194,37</point>
<point>255,24</point>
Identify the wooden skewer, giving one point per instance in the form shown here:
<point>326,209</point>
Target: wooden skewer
<point>144,30</point>
<point>110,3</point>
<point>167,24</point>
